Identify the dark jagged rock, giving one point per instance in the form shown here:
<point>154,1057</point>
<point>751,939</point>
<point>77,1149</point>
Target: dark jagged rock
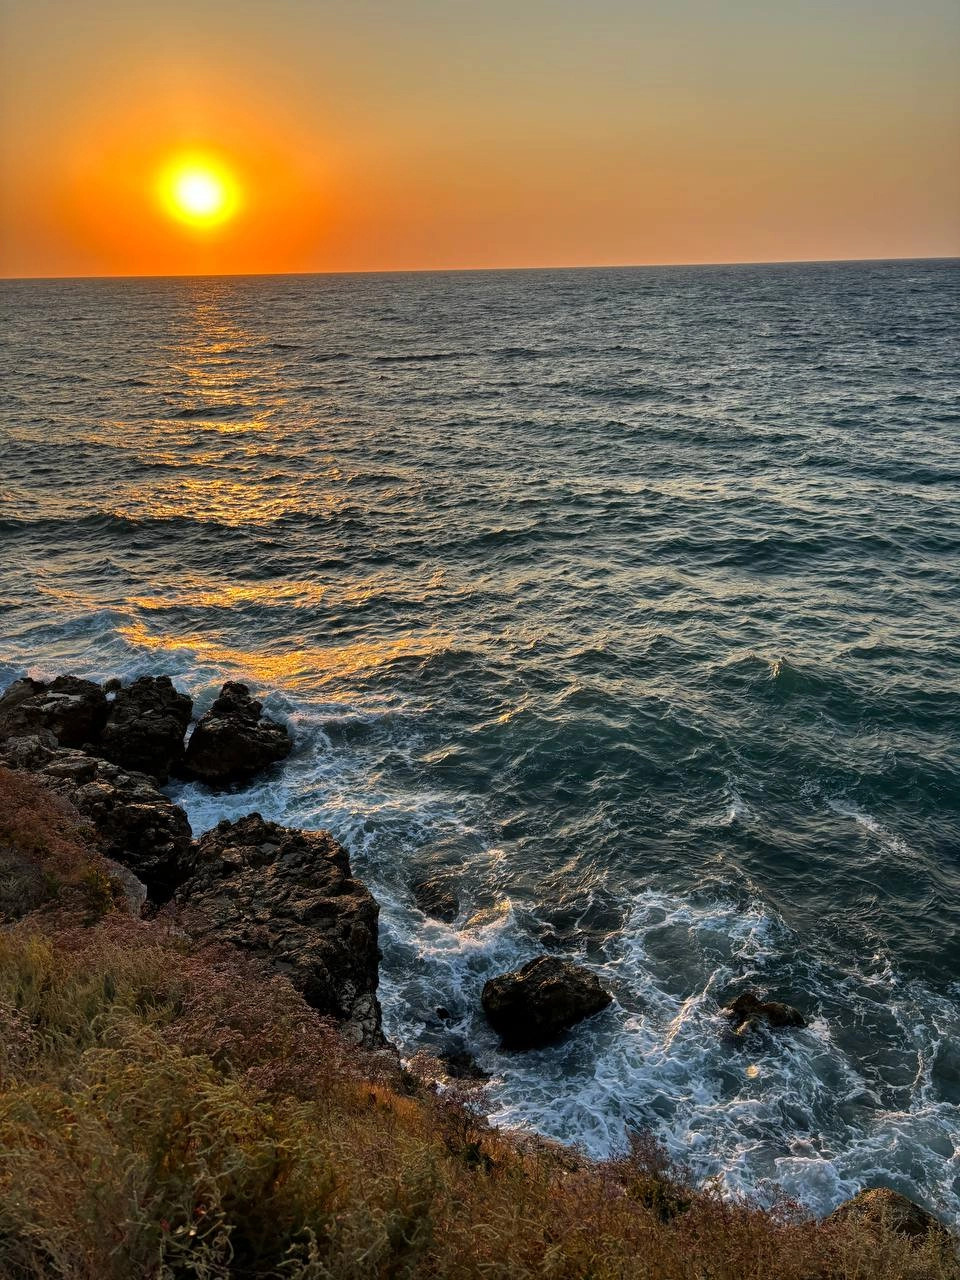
<point>435,899</point>
<point>73,711</point>
<point>30,752</point>
<point>533,1005</point>
<point>233,741</point>
<point>146,726</point>
<point>133,822</point>
<point>289,897</point>
<point>18,708</point>
<point>748,1013</point>
<point>879,1207</point>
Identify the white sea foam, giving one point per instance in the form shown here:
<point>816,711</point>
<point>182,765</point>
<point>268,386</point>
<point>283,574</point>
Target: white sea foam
<point>887,839</point>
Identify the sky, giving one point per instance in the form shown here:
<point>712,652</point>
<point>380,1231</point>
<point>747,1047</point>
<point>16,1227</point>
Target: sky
<point>367,135</point>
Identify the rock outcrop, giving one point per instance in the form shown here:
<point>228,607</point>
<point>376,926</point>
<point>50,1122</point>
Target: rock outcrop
<point>143,729</point>
<point>879,1207</point>
<point>128,888</point>
<point>73,711</point>
<point>146,726</point>
<point>289,897</point>
<point>533,1005</point>
<point>748,1013</point>
<point>133,821</point>
<point>48,855</point>
<point>234,740</point>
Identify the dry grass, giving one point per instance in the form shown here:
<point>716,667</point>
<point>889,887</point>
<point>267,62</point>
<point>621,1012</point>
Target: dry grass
<point>172,1113</point>
<point>46,853</point>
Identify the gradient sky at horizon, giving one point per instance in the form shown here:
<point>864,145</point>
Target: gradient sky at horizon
<point>440,133</point>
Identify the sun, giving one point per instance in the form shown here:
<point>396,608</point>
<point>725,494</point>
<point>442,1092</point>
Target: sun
<point>199,190</point>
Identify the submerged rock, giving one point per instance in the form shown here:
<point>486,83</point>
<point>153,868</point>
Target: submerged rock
<point>879,1207</point>
<point>73,711</point>
<point>146,726</point>
<point>459,1063</point>
<point>435,899</point>
<point>748,1013</point>
<point>290,898</point>
<point>533,1005</point>
<point>234,740</point>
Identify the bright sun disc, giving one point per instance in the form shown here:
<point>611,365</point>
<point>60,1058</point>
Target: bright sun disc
<point>199,191</point>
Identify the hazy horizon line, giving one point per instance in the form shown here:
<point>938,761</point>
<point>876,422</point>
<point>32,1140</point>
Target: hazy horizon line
<point>397,271</point>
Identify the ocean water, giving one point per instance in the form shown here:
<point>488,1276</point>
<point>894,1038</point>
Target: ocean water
<point>628,600</point>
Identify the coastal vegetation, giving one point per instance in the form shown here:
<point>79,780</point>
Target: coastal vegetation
<point>171,1108</point>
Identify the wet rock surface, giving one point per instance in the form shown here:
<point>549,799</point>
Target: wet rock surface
<point>143,728</point>
<point>146,726</point>
<point>749,1013</point>
<point>459,1063</point>
<point>73,711</point>
<point>290,898</point>
<point>435,898</point>
<point>535,1004</point>
<point>879,1207</point>
<point>234,741</point>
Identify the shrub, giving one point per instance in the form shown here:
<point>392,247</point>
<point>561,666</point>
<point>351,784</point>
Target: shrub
<point>46,854</point>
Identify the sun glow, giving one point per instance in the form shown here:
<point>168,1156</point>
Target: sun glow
<point>199,191</point>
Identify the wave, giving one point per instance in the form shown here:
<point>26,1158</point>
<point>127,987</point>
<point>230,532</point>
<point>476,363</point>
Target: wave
<point>421,357</point>
<point>796,1113</point>
<point>113,525</point>
<point>215,412</point>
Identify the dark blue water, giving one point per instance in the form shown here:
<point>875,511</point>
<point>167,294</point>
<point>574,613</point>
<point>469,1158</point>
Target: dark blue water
<point>628,599</point>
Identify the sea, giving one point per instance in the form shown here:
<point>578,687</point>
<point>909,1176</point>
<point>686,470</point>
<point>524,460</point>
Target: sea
<point>624,602</point>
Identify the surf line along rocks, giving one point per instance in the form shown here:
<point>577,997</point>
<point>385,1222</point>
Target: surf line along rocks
<point>286,896</point>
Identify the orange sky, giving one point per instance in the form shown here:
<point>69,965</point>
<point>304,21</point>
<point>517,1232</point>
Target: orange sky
<point>383,134</point>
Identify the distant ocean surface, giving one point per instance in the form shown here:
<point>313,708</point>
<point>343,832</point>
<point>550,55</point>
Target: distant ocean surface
<point>628,600</point>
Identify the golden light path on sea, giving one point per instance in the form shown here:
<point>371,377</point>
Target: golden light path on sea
<point>339,662</point>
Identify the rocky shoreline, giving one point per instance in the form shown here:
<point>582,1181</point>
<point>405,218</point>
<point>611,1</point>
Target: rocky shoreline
<point>285,897</point>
